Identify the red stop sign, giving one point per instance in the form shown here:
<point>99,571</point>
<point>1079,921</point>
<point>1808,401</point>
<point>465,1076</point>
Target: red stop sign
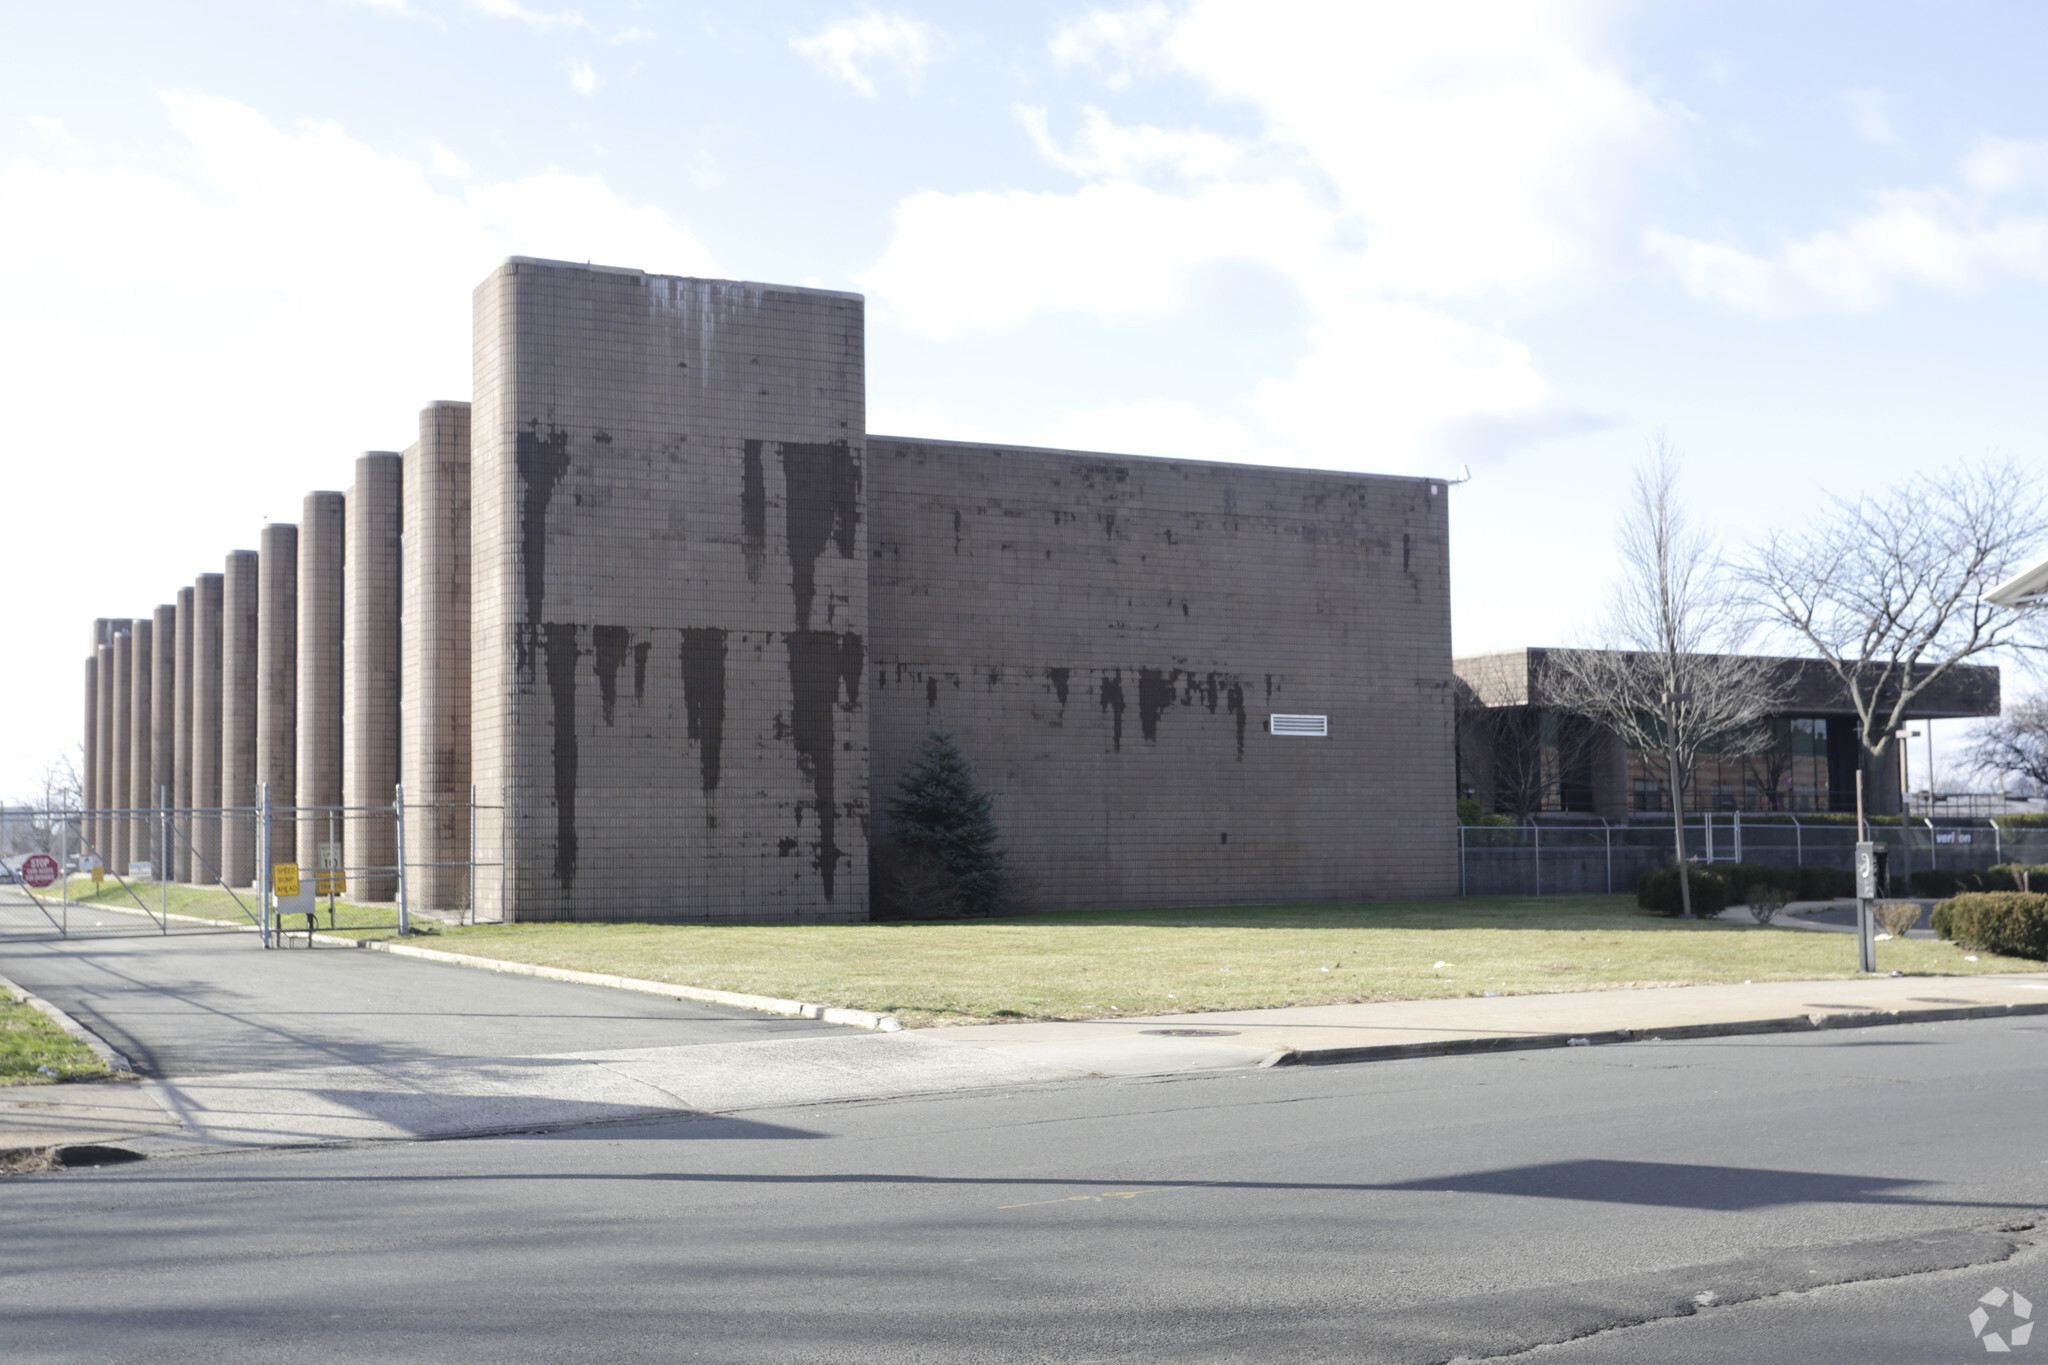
<point>39,869</point>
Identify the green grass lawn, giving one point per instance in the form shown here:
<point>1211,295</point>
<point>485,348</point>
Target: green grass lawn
<point>35,1051</point>
<point>1091,964</point>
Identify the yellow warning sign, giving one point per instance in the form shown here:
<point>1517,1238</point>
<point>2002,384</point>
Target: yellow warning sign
<point>99,874</point>
<point>284,879</point>
<point>330,884</point>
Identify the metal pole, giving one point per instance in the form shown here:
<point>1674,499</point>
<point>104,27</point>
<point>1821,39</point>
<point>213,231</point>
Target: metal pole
<point>472,853</point>
<point>1866,934</point>
<point>1536,842</point>
<point>398,814</point>
<point>1905,809</point>
<point>163,805</point>
<point>1607,830</point>
<point>1738,836</point>
<point>263,863</point>
<point>1798,843</point>
<point>1463,885</point>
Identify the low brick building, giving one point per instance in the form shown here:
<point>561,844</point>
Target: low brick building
<point>665,600</point>
<point>1519,754</point>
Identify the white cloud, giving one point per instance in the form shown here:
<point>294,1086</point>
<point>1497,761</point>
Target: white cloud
<point>443,162</point>
<point>848,50</point>
<point>1411,170</point>
<point>1869,114</point>
<point>1104,150</point>
<point>1164,428</point>
<point>214,332</point>
<point>583,79</point>
<point>1999,165</point>
<point>989,261</point>
<point>1952,238</point>
<point>540,21</point>
<point>1118,44</point>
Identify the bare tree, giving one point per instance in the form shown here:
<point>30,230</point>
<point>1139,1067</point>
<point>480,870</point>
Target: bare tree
<point>1769,764</point>
<point>2016,744</point>
<point>1890,589</point>
<point>1525,755</point>
<point>1522,752</point>
<point>32,822</point>
<point>1668,681</point>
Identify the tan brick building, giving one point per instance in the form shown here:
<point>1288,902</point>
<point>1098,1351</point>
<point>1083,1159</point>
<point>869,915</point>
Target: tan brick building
<point>661,597</point>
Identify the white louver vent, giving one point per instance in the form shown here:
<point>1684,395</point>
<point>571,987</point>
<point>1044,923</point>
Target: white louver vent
<point>1317,726</point>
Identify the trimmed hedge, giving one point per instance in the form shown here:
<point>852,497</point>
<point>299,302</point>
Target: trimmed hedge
<point>2004,877</point>
<point>2012,923</point>
<point>1657,889</point>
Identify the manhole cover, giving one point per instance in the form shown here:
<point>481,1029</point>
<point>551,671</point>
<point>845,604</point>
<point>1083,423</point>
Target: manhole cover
<point>1192,1032</point>
<point>1940,1000</point>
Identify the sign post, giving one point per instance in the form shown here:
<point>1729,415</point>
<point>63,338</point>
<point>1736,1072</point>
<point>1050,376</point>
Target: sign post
<point>1871,884</point>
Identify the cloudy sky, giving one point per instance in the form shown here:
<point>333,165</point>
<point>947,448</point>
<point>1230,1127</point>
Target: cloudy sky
<point>1807,240</point>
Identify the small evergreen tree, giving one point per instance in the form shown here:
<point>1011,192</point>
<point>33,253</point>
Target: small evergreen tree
<point>939,812</point>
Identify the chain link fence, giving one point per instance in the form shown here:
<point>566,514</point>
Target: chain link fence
<point>340,867</point>
<point>1581,859</point>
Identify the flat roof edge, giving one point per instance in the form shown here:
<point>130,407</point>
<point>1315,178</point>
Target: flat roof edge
<point>1160,459</point>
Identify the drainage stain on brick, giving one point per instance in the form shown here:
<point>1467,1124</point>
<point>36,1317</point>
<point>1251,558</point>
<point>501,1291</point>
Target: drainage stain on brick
<point>1113,702</point>
<point>822,504</point>
<point>1155,694</point>
<point>703,660</point>
<point>609,644</point>
<point>542,460</point>
<point>560,644</point>
<point>821,664</point>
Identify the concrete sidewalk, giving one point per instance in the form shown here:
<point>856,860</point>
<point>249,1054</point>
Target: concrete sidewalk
<point>423,1091</point>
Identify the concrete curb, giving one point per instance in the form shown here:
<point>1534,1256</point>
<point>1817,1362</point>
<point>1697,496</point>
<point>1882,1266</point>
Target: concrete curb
<point>1793,1023</point>
<point>114,1060</point>
<point>767,1004</point>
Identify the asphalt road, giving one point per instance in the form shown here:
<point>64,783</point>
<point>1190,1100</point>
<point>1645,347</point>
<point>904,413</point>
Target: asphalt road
<point>1410,1211</point>
<point>213,1004</point>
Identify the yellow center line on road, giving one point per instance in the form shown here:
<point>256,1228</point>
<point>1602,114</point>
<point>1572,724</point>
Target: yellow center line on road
<point>1115,1194</point>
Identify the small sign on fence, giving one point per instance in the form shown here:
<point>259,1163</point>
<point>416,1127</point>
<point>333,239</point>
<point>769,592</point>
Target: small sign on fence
<point>39,870</point>
<point>1954,836</point>
<point>139,869</point>
<point>284,879</point>
<point>332,881</point>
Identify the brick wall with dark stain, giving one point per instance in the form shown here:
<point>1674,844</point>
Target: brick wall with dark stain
<point>1106,637</point>
<point>669,543</point>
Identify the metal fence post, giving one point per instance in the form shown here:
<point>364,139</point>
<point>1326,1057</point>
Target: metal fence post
<point>398,814</point>
<point>163,879</point>
<point>1607,831</point>
<point>1798,843</point>
<point>1536,843</point>
<point>1738,836</point>
<point>472,853</point>
<point>263,864</point>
